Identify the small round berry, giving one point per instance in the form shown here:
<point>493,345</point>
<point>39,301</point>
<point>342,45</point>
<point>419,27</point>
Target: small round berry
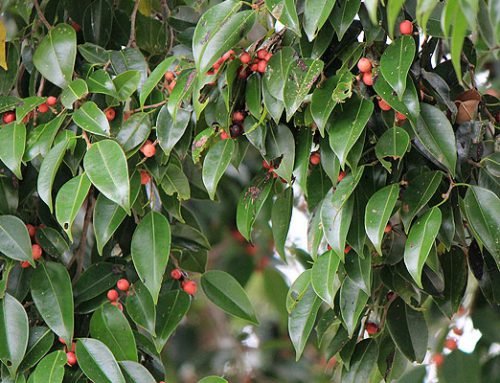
<point>224,135</point>
<point>25,264</point>
<point>110,114</point>
<point>243,73</point>
<point>340,176</point>
<point>261,66</point>
<point>169,76</point>
<point>43,108</point>
<point>51,101</point>
<point>388,228</point>
<point>438,359</point>
<point>238,236</point>
<point>450,344</point>
<point>8,117</point>
<point>118,305</point>
<point>31,230</point>
<point>245,58</point>
<point>176,274</point>
<point>261,54</point>
<point>171,86</point>
<point>189,287</point>
<point>145,177</point>
<point>251,249</point>
<point>254,67</point>
<point>368,78</point>
<point>112,295</point>
<point>384,105</point>
<point>347,249</point>
<point>406,27</point>
<point>400,116</point>
<point>371,328</point>
<point>148,149</point>
<point>315,158</point>
<point>216,65</point>
<point>123,284</point>
<point>236,130</point>
<point>229,54</point>
<point>364,65</point>
<point>36,251</point>
<point>71,358</point>
<point>238,117</point>
<point>458,331</point>
<point>390,295</point>
<point>268,56</point>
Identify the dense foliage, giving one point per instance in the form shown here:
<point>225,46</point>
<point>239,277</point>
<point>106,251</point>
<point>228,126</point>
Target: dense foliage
<point>155,152</point>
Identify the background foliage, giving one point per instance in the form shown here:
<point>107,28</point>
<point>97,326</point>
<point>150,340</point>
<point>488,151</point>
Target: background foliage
<point>169,144</point>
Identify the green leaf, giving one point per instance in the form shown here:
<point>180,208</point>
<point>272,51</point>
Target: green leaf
<point>316,13</point>
<point>51,368</point>
<point>100,82</point>
<point>280,143</point>
<point>347,124</point>
<point>225,291</point>
<point>52,294</point>
<point>97,279</point>
<point>94,54</point>
<point>97,22</point>
<point>352,304</point>
<point>281,216</point>
<point>343,16</point>
<point>253,95</point>
<point>323,275</point>
<point>301,76</point>
<point>40,341</point>
<point>215,164</point>
<point>363,362</point>
<point>75,91</point>
<point>106,167</point>
<point>13,139</point>
<point>154,78</point>
<point>409,105</point>
<point>461,367</point>
<point>212,379</point>
<point>97,362</point>
<point>378,211</point>
<point>40,139</point>
<point>181,92</point>
<point>140,307</point>
<point>176,182</point>
<point>27,105</point>
<point>14,332</point>
<point>150,251</point>
<point>418,193</point>
<point>286,13</point>
<point>69,200</point>
<point>111,327</point>
<point>48,171</point>
<point>56,54</point>
<point>482,208</point>
<point>92,119</point>
<point>127,83</point>
<point>15,241</point>
<point>277,72</point>
<point>136,373</point>
<point>393,10</point>
<point>359,269</point>
<point>170,131</point>
<point>408,330</point>
<point>134,131</point>
<point>171,309</point>
<point>218,30</point>
<point>454,25</point>
<point>435,132</point>
<point>302,318</point>
<point>396,61</point>
<point>394,143</point>
<point>108,216</point>
<point>420,241</point>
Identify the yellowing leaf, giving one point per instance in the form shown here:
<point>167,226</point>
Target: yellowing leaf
<point>3,55</point>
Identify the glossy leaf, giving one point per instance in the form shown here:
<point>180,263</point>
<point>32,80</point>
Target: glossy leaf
<point>134,131</point>
<point>323,275</point>
<point>363,362</point>
<point>408,330</point>
<point>394,143</point>
<point>97,362</point>
<point>286,12</point>
<point>51,368</point>
<point>96,280</point>
<point>52,293</point>
<point>111,327</point>
<point>420,241</point>
<point>73,92</point>
<point>181,92</point>
<point>135,372</point>
<point>215,164</point>
<point>40,341</point>
<point>69,200</point>
<point>13,139</point>
<point>171,309</point>
<point>277,72</point>
<point>316,13</point>
<point>280,219</point>
<point>343,15</point>
<point>396,61</point>
<point>393,10</point>
<point>154,78</point>
<point>170,131</point>
<point>409,105</point>
<point>140,307</point>
<point>100,82</point>
<point>281,144</point>
<point>40,139</point>
<point>225,291</point>
<point>106,167</point>
<point>127,83</point>
<point>150,250</point>
<point>378,211</point>
<point>352,304</point>
<point>14,239</point>
<point>55,56</point>
<point>359,269</point>
<point>14,332</point>
<point>92,119</point>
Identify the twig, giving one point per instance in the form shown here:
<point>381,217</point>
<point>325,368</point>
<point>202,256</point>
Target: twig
<point>41,15</point>
<point>149,106</point>
<point>131,40</point>
<point>82,247</point>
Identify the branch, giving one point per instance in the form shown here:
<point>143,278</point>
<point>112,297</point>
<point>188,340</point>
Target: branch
<point>41,15</point>
<point>149,106</point>
<point>131,40</point>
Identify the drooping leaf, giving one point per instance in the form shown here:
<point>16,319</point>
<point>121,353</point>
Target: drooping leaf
<point>134,131</point>
<point>393,143</point>
<point>135,372</point>
<point>14,239</point>
<point>73,92</point>
<point>51,368</point>
<point>352,303</point>
<point>343,15</point>
<point>409,105</point>
<point>359,269</point>
<point>280,217</point>
<point>280,144</point>
<point>154,78</point>
<point>97,362</point>
<point>225,291</point>
<point>127,83</point>
<point>150,251</point>
<point>215,164</point>
<point>172,307</point>
<point>316,13</point>
<point>100,82</point>
<point>140,307</point>
<point>13,139</point>
<point>363,362</point>
<point>40,341</point>
<point>92,119</point>
<point>286,13</point>
<point>277,72</point>
<point>97,279</point>
<point>170,130</point>
<point>393,10</point>
<point>323,275</point>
